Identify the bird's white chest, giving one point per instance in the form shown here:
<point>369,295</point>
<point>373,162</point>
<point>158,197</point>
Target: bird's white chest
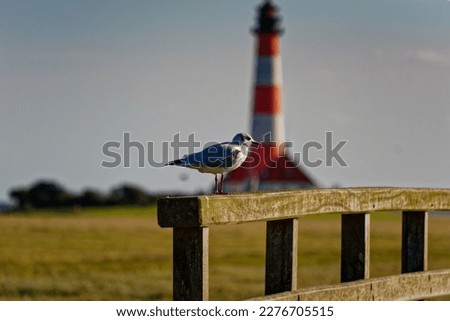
<point>239,157</point>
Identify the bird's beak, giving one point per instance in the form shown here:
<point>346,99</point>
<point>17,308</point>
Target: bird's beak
<point>254,142</point>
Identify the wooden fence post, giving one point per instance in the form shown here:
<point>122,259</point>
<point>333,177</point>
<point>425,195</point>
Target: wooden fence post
<point>414,241</point>
<point>355,247</point>
<point>281,256</point>
<point>190,264</point>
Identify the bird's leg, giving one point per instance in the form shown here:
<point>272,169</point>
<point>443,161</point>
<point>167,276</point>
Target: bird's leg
<point>216,187</point>
<point>221,184</point>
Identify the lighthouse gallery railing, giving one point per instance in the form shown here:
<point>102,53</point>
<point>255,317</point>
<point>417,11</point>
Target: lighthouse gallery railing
<point>190,218</point>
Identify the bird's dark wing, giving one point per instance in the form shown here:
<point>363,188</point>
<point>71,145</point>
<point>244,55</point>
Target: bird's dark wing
<point>214,156</point>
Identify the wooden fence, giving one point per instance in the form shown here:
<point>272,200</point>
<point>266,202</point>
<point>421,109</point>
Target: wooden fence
<point>190,218</point>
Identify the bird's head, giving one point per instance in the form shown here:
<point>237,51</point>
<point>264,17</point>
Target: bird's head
<point>245,139</point>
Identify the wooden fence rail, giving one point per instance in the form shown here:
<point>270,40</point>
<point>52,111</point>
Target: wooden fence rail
<point>190,218</point>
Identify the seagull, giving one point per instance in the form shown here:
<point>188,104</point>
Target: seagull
<point>219,158</point>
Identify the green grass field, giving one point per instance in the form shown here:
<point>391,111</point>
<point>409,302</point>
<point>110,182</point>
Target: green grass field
<point>122,254</point>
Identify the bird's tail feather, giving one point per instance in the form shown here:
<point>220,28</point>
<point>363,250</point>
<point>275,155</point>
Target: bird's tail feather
<point>175,162</point>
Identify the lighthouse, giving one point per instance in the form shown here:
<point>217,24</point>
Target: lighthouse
<point>268,167</point>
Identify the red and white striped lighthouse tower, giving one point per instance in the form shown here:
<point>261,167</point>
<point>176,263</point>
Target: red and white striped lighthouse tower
<point>268,167</point>
<point>268,122</point>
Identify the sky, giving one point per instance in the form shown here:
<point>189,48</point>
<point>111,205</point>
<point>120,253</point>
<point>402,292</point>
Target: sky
<point>77,74</point>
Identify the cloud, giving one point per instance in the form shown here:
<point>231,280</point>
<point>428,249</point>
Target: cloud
<point>433,57</point>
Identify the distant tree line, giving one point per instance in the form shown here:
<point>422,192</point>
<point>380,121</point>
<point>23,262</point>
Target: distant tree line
<point>49,194</point>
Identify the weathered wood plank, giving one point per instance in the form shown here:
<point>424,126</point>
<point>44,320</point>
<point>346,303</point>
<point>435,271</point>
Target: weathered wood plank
<point>209,210</point>
<point>414,241</point>
<point>281,256</point>
<point>355,247</point>
<point>190,264</point>
<point>179,212</point>
<point>410,286</point>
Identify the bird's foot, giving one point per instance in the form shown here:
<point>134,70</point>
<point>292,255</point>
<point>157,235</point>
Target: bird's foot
<point>220,193</point>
